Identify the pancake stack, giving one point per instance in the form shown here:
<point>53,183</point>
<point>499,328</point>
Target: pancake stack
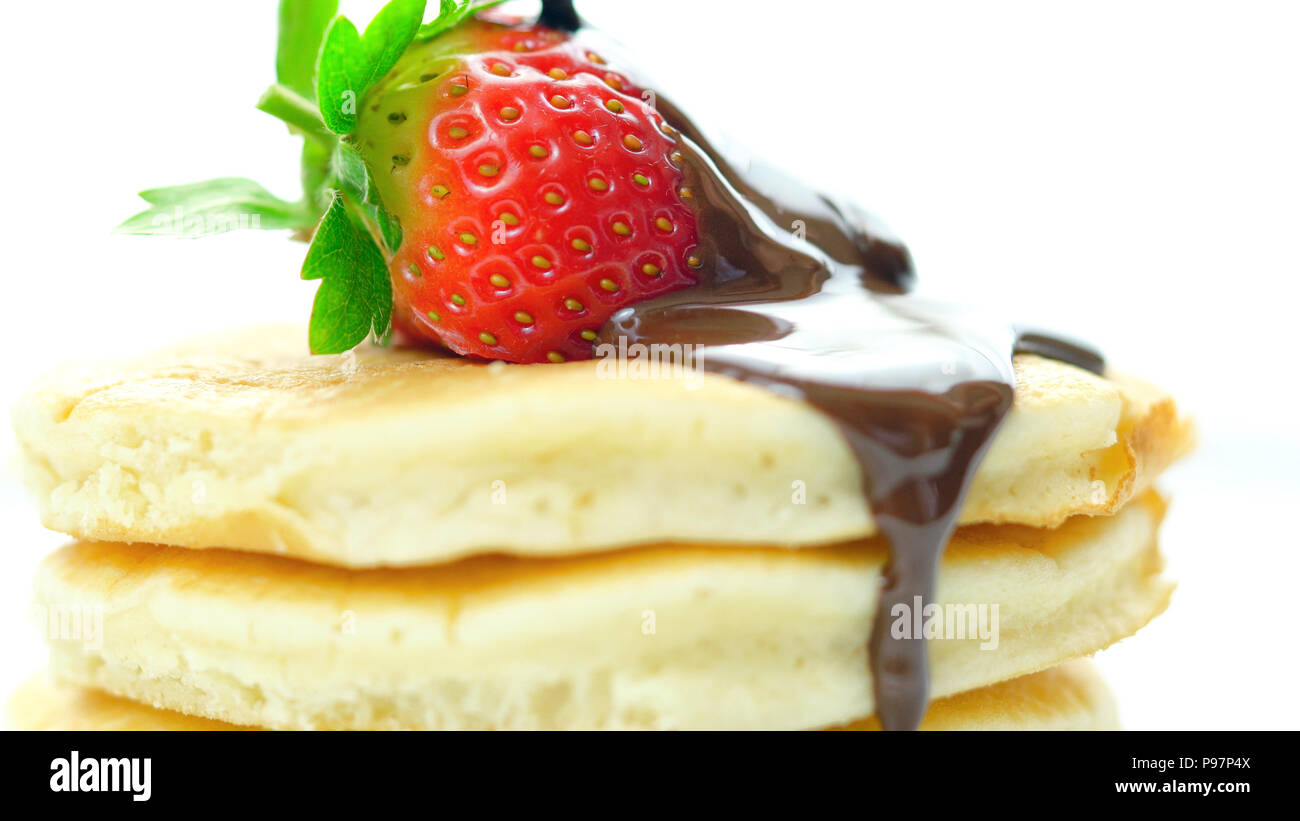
<point>393,539</point>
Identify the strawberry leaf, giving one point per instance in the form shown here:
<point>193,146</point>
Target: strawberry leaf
<point>355,298</point>
<point>388,35</point>
<point>293,97</point>
<point>315,170</point>
<point>354,176</point>
<point>341,71</point>
<point>302,28</point>
<point>350,63</point>
<point>450,14</point>
<point>214,207</point>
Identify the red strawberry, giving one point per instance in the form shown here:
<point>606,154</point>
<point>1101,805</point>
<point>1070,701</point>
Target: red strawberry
<point>537,192</point>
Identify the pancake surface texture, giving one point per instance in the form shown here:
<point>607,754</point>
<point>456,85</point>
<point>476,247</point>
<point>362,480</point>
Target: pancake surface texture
<point>1068,697</point>
<point>656,637</point>
<point>390,457</point>
<point>44,704</point>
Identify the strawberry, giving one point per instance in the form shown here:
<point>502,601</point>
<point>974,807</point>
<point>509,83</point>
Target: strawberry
<point>537,192</point>
<point>478,183</point>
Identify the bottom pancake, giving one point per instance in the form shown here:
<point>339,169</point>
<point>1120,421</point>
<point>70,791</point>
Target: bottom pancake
<point>666,637</point>
<point>1068,697</point>
<point>42,703</point>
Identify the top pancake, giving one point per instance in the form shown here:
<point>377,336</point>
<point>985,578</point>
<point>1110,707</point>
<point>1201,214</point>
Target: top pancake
<point>390,457</point>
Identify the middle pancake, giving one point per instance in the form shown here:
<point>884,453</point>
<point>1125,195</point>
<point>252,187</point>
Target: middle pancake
<point>657,637</point>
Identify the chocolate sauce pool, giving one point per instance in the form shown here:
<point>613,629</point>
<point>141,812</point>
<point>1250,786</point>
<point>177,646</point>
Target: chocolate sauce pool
<point>809,297</point>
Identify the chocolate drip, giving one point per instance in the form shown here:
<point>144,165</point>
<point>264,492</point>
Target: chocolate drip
<point>841,230</point>
<point>559,14</point>
<point>809,297</point>
<point>1058,347</point>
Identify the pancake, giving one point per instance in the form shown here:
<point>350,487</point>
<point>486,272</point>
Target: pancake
<point>654,637</point>
<point>42,703</point>
<point>1068,697</point>
<point>389,457</point>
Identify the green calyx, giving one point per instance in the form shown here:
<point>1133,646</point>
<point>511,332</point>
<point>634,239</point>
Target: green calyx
<point>323,69</point>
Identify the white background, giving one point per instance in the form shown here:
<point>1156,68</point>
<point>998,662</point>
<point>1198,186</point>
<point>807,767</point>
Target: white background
<point>1127,171</point>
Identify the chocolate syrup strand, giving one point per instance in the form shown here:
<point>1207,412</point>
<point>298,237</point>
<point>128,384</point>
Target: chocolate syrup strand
<point>917,388</point>
<point>1054,346</point>
<point>559,14</point>
<point>917,516</point>
<point>783,315</point>
<point>842,231</point>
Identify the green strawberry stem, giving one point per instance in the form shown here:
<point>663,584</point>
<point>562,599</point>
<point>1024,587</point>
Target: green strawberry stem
<point>302,115</point>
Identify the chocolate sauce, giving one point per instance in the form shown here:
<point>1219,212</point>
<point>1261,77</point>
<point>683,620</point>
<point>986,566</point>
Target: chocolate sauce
<point>559,15</point>
<point>810,297</point>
